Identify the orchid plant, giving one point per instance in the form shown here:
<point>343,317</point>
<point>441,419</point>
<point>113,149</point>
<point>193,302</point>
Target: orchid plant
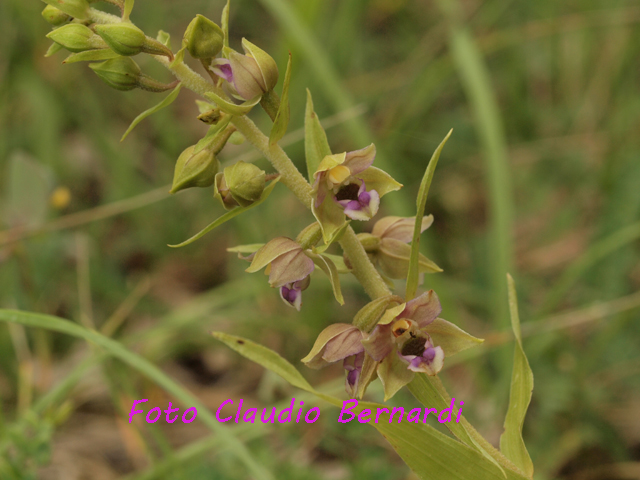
<point>397,337</point>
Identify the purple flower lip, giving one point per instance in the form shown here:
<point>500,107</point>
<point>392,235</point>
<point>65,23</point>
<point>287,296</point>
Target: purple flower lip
<point>353,366</point>
<point>360,205</point>
<point>291,293</point>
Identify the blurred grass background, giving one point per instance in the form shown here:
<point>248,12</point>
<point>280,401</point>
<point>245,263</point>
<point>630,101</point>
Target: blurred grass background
<point>540,178</point>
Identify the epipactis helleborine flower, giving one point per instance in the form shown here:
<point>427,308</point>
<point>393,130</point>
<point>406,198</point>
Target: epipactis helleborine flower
<point>339,341</point>
<point>249,75</point>
<point>401,343</point>
<point>288,268</point>
<point>347,184</point>
<point>388,246</point>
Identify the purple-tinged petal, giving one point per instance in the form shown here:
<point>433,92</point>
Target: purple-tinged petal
<point>379,343</point>
<point>334,343</point>
<point>359,160</point>
<point>353,366</point>
<point>222,68</point>
<point>423,309</point>
<point>399,228</point>
<point>364,208</point>
<point>290,267</point>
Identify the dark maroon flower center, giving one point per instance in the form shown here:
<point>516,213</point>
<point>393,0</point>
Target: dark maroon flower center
<point>413,346</point>
<point>348,192</point>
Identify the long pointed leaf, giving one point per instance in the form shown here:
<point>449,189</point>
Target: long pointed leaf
<point>511,442</point>
<point>168,100</point>
<point>282,118</point>
<point>128,7</point>
<point>229,215</point>
<point>414,267</point>
<point>428,452</point>
<point>316,145</point>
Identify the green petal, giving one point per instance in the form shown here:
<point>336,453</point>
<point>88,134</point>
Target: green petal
<point>451,338</point>
<point>379,180</point>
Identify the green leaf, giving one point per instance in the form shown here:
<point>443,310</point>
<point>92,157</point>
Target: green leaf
<point>316,145</point>
<point>229,215</point>
<point>168,100</point>
<point>429,453</point>
<point>412,277</point>
<point>128,7</point>
<point>53,49</point>
<point>179,57</point>
<point>338,261</point>
<point>91,56</point>
<point>511,442</point>
<point>211,133</point>
<point>282,118</point>
<point>145,367</point>
<point>225,23</point>
<point>231,108</point>
<point>431,393</point>
<point>266,357</point>
<point>328,267</point>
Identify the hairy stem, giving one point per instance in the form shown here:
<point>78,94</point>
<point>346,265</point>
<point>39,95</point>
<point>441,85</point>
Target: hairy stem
<point>363,269</point>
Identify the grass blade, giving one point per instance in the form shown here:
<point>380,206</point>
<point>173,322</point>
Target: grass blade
<point>168,100</point>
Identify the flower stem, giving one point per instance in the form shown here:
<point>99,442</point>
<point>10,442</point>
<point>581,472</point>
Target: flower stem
<point>291,177</point>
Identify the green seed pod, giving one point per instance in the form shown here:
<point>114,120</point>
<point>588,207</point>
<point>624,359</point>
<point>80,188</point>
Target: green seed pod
<point>54,16</point>
<point>246,182</point>
<point>204,38</point>
<point>76,38</point>
<point>124,38</point>
<point>121,73</point>
<point>195,170</point>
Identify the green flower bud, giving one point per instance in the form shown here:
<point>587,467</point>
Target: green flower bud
<point>127,40</point>
<point>222,193</point>
<point>121,73</point>
<point>75,8</point>
<point>204,38</point>
<point>246,182</point>
<point>76,38</point>
<point>266,64</point>
<point>195,170</point>
<point>124,38</point>
<point>55,16</point>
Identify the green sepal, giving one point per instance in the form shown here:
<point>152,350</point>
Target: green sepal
<point>335,237</point>
<point>281,122</point>
<point>450,337</point>
<point>229,215</point>
<point>393,374</point>
<point>316,145</point>
<point>338,262</point>
<point>224,22</point>
<point>272,250</point>
<point>330,216</point>
<point>412,276</point>
<point>91,56</point>
<point>327,266</point>
<point>231,108</point>
<point>168,100</point>
<point>379,180</point>
<point>266,63</point>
